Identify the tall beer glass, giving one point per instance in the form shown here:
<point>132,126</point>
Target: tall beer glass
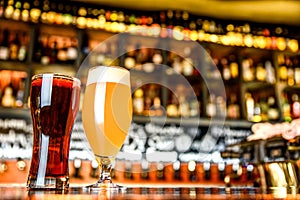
<point>106,117</point>
<point>54,103</point>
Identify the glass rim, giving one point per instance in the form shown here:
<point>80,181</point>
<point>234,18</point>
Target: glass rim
<point>112,66</point>
<point>104,73</point>
<point>59,75</point>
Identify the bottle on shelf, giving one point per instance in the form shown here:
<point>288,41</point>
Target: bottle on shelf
<point>233,108</point>
<point>194,106</point>
<point>264,107</point>
<point>273,111</point>
<point>25,11</point>
<point>130,57</point>
<point>38,49</point>
<point>249,106</point>
<point>45,51</point>
<point>62,52</point>
<point>187,62</point>
<point>172,107</point>
<point>14,47</point>
<point>22,54</point>
<point>283,71</point>
<point>148,64</point>
<point>290,72</point>
<point>59,19</point>
<point>96,56</point>
<point>72,50</point>
<point>17,11</point>
<point>20,94</point>
<point>9,10</point>
<point>8,99</point>
<point>1,8</point>
<point>233,66</point>
<point>4,49</point>
<point>138,102</point>
<point>140,58</point>
<point>261,72</point>
<point>226,74</point>
<point>221,110</point>
<point>157,109</point>
<point>85,46</point>
<point>211,108</point>
<point>184,108</point>
<point>297,70</point>
<point>286,108</point>
<point>187,67</point>
<point>176,64</point>
<point>108,55</point>
<point>35,11</point>
<point>151,92</point>
<point>157,57</point>
<point>248,70</point>
<point>270,72</point>
<point>53,51</point>
<point>216,72</point>
<point>295,106</point>
<point>257,113</point>
<point>147,105</point>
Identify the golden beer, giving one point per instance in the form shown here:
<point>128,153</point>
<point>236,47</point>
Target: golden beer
<point>107,109</point>
<point>106,118</point>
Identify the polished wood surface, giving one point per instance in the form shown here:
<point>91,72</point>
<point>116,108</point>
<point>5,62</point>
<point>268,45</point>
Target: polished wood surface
<point>16,172</point>
<point>13,186</point>
<point>155,192</point>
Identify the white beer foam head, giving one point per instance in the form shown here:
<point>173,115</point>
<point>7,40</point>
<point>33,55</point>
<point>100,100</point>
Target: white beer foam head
<point>102,74</point>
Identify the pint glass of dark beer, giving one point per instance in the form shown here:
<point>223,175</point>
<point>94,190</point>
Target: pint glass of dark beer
<point>54,102</point>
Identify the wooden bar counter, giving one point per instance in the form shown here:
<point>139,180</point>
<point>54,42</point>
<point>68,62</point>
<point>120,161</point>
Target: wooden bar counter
<point>146,192</point>
<point>13,186</point>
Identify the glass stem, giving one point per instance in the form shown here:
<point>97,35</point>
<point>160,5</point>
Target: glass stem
<point>105,167</point>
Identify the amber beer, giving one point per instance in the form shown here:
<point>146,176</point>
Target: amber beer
<point>54,102</point>
<point>107,109</point>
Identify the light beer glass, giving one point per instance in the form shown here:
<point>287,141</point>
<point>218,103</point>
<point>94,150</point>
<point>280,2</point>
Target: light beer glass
<point>106,117</point>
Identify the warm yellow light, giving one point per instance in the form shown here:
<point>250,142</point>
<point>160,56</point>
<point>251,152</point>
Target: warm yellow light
<point>248,40</point>
<point>81,22</point>
<point>201,35</point>
<point>194,35</point>
<point>177,33</point>
<point>293,45</point>
<point>82,11</point>
<point>281,43</point>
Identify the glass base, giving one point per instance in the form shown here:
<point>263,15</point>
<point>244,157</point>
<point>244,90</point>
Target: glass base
<point>106,187</point>
<point>50,183</point>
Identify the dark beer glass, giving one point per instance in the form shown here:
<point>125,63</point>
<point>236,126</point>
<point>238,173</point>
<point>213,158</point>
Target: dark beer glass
<point>54,103</point>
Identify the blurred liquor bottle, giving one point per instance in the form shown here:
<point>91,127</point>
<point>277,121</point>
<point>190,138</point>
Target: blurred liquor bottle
<point>286,108</point>
<point>4,48</point>
<point>233,108</point>
<point>295,111</point>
